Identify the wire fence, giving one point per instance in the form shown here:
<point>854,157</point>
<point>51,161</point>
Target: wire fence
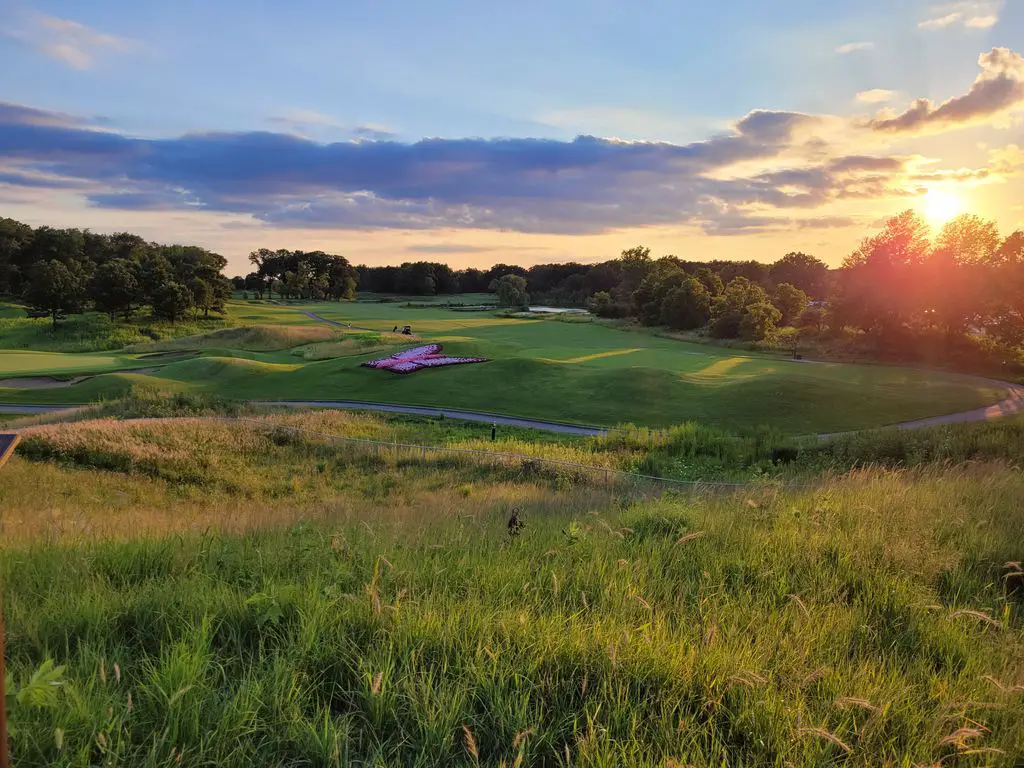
<point>524,465</point>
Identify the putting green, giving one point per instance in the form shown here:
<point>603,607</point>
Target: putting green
<point>548,369</point>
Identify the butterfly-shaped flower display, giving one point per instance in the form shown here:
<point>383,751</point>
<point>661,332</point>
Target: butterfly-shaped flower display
<point>428,356</point>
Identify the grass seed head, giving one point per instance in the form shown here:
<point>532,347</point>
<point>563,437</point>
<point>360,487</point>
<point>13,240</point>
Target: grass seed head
<point>831,738</point>
<point>470,743</point>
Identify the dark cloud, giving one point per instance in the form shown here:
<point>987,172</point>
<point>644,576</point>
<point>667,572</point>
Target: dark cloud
<point>866,163</point>
<point>741,223</point>
<point>772,126</point>
<point>17,179</point>
<point>586,185</point>
<point>16,114</point>
<point>999,88</point>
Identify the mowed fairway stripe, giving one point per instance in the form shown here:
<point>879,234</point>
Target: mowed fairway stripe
<point>595,356</point>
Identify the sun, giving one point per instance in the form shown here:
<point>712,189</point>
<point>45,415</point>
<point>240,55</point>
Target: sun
<point>941,205</point>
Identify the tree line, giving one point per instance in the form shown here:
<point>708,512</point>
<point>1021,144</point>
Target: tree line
<point>900,288</point>
<point>311,275</point>
<point>744,298</point>
<point>58,272</point>
<point>958,289</point>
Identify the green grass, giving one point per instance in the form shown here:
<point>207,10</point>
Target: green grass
<point>25,363</point>
<point>300,603</point>
<point>580,372</point>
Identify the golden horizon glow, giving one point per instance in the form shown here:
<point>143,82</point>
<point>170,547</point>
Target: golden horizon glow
<point>941,205</point>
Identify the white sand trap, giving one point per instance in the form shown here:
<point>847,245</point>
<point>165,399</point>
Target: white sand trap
<point>40,382</point>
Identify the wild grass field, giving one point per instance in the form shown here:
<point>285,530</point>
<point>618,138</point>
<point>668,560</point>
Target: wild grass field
<point>91,331</point>
<point>570,371</point>
<point>245,594</point>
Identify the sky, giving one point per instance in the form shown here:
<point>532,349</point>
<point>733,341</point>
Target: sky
<point>529,132</point>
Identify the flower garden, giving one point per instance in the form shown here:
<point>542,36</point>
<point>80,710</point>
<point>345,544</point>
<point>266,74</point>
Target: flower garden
<point>427,356</point>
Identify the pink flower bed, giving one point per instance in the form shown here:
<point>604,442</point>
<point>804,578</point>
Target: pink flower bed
<point>427,356</point>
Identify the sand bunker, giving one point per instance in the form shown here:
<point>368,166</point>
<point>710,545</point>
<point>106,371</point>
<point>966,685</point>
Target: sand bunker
<point>40,382</point>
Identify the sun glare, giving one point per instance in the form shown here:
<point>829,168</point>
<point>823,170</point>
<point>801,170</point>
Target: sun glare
<point>941,205</point>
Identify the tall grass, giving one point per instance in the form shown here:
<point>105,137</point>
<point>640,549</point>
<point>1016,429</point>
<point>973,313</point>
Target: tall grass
<point>256,338</point>
<point>95,332</point>
<point>1000,439</point>
<point>863,623</point>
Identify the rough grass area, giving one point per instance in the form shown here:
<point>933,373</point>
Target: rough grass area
<point>864,623</point>
<point>187,590</point>
<point>92,331</point>
<point>258,338</point>
<point>1001,439</point>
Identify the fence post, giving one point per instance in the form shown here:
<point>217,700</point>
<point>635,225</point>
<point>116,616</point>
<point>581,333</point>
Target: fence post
<point>8,443</point>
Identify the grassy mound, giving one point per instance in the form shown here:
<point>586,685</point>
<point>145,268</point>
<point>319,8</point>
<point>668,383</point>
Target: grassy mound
<point>256,338</point>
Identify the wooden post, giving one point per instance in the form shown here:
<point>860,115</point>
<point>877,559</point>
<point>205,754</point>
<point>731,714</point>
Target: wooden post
<point>8,442</point>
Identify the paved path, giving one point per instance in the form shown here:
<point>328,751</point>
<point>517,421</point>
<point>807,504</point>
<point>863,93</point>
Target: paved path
<point>448,413</point>
<point>314,316</point>
<point>336,323</point>
<point>356,405</point>
<point>1014,403</point>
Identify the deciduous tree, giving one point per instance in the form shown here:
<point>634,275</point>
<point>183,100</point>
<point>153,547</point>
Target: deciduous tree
<point>54,288</point>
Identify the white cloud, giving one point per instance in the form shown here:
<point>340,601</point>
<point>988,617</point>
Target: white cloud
<point>1007,159</point>
<point>973,14</point>
<point>875,96</point>
<point>941,21</point>
<point>982,22</point>
<point>68,41</point>
<point>853,47</point>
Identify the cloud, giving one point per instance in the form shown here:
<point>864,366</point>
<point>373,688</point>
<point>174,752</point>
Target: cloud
<point>1006,160</point>
<point>373,132</point>
<point>982,22</point>
<point>16,114</point>
<point>68,41</point>
<point>973,14</point>
<point>740,222</point>
<point>766,166</point>
<point>305,117</point>
<point>876,96</point>
<point>449,248</point>
<point>852,163</point>
<point>941,21</point>
<point>997,90</point>
<point>846,48</point>
<point>614,121</point>
<point>304,122</point>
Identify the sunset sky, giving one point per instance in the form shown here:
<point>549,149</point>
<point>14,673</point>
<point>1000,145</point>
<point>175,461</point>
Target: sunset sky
<point>526,132</point>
